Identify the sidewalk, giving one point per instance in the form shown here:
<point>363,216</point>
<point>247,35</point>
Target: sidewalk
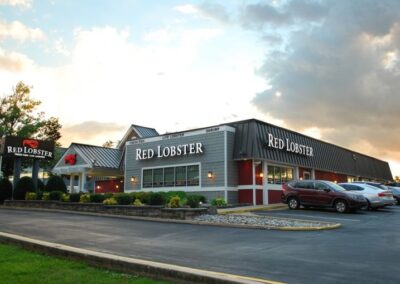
<point>245,209</point>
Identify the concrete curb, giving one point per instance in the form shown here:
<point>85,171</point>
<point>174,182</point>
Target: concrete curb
<point>329,226</point>
<point>155,270</point>
<point>272,207</point>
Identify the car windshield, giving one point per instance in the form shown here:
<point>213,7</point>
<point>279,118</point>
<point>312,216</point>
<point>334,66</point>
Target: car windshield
<point>335,186</point>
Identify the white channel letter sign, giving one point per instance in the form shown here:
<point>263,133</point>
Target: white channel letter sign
<point>289,146</point>
<point>170,151</point>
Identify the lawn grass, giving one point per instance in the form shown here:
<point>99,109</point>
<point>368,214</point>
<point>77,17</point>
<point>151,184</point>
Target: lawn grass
<point>20,266</point>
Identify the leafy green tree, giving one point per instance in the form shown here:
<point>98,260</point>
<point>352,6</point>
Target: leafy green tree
<point>24,185</point>
<point>19,117</point>
<point>55,183</point>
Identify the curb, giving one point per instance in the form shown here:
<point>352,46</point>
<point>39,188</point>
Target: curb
<point>266,208</point>
<point>155,270</point>
<point>329,226</point>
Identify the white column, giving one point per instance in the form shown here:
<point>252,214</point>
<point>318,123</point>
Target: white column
<point>265,183</point>
<point>83,181</point>
<point>312,173</point>
<point>71,183</point>
<point>254,183</point>
<point>79,181</point>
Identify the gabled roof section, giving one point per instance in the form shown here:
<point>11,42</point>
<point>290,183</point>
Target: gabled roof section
<point>101,157</point>
<point>135,132</point>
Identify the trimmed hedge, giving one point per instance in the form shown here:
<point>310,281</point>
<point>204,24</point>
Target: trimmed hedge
<point>5,189</point>
<point>55,183</point>
<point>24,185</point>
<point>123,198</point>
<point>156,198</point>
<point>74,197</point>
<point>56,195</point>
<point>97,198</point>
<point>194,200</point>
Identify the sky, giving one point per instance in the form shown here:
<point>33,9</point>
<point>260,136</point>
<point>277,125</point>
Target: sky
<point>328,69</point>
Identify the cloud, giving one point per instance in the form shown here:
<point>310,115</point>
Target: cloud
<point>341,76</point>
<point>20,3</point>
<point>13,61</point>
<point>206,10</point>
<point>88,132</point>
<point>18,31</point>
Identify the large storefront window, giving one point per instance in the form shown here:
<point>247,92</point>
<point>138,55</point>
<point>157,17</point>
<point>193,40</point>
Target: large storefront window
<point>171,176</point>
<point>279,175</point>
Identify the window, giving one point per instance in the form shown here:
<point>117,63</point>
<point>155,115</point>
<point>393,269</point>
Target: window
<point>279,175</point>
<point>148,178</point>
<point>172,176</point>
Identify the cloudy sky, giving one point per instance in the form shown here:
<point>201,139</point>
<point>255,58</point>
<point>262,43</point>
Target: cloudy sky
<point>329,69</point>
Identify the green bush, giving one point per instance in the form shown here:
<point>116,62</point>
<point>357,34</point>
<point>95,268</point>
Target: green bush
<point>110,201</point>
<point>65,197</point>
<point>5,189</point>
<point>55,183</point>
<point>55,195</point>
<point>84,198</point>
<point>30,196</point>
<point>108,195</point>
<point>97,198</point>
<point>74,197</point>
<point>218,202</point>
<point>123,198</point>
<point>156,198</point>
<point>137,202</point>
<point>194,200</point>
<point>24,185</point>
<point>40,185</point>
<point>170,194</point>
<point>39,195</point>
<point>175,202</point>
<point>46,196</point>
<point>142,196</point>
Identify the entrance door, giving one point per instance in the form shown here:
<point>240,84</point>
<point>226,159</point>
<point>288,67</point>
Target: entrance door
<point>306,175</point>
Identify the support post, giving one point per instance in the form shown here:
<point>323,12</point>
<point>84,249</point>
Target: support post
<point>35,173</point>
<point>71,183</point>
<point>17,173</point>
<point>254,184</point>
<point>83,181</point>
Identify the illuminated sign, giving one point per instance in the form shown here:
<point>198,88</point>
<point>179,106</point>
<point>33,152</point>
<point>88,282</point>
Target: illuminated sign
<point>289,146</point>
<point>13,146</point>
<point>169,151</point>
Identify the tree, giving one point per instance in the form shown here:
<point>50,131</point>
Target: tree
<point>24,185</point>
<point>55,183</point>
<point>108,144</point>
<point>19,117</point>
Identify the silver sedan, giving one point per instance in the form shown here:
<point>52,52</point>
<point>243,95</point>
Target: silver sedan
<point>377,197</point>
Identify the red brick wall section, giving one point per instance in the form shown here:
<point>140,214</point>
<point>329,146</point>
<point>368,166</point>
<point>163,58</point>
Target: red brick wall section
<point>259,179</point>
<point>245,172</point>
<point>330,176</point>
<point>302,170</point>
<point>274,196</point>
<point>109,186</point>
<point>259,196</point>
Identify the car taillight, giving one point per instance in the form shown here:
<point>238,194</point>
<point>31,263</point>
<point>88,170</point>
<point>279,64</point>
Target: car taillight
<point>383,194</point>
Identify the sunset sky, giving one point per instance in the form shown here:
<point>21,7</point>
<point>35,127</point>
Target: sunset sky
<point>328,69</point>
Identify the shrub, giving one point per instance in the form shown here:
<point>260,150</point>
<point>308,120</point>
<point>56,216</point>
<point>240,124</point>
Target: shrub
<point>84,198</point>
<point>40,185</point>
<point>137,202</point>
<point>74,197</point>
<point>46,196</point>
<point>30,196</point>
<point>108,195</point>
<point>24,185</point>
<point>39,195</point>
<point>123,198</point>
<point>142,196</point>
<point>218,202</point>
<point>156,198</point>
<point>175,202</point>
<point>55,183</point>
<point>171,194</point>
<point>97,198</point>
<point>65,197</point>
<point>194,200</point>
<point>5,189</point>
<point>110,201</point>
<point>55,195</point>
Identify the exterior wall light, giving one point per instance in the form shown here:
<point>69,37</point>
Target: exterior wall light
<point>261,175</point>
<point>210,174</point>
<point>133,179</point>
<point>117,186</point>
<point>98,187</point>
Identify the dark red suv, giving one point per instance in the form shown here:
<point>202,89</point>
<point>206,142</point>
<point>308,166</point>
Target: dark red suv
<point>321,193</point>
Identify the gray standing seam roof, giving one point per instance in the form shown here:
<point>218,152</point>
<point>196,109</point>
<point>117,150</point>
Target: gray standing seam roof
<point>100,157</point>
<point>252,136</point>
<point>145,131</point>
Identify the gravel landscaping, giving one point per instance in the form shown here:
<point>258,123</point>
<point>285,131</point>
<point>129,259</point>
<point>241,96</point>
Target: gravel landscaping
<point>260,221</point>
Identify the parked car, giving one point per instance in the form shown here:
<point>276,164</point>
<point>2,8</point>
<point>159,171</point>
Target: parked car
<point>396,192</point>
<point>321,193</point>
<point>376,196</point>
<point>381,186</point>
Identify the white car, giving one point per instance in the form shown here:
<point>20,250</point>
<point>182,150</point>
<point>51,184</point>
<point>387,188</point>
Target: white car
<point>377,197</point>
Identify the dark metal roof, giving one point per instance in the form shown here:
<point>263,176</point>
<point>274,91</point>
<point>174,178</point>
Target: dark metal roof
<point>101,157</point>
<point>144,132</point>
<point>251,140</point>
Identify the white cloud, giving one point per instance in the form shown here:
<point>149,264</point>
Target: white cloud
<point>14,62</point>
<point>20,3</point>
<point>187,9</point>
<point>18,31</point>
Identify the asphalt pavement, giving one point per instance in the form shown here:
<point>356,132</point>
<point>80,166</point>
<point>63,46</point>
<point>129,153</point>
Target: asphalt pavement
<point>365,250</point>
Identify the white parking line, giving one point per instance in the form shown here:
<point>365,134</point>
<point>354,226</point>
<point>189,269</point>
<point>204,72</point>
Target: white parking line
<point>316,217</point>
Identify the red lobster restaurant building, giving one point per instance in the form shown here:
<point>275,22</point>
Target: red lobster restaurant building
<point>243,162</point>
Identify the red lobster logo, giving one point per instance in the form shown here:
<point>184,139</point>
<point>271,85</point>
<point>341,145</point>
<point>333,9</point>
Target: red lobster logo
<point>70,159</point>
<point>30,143</point>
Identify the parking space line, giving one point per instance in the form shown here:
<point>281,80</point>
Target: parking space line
<point>316,217</point>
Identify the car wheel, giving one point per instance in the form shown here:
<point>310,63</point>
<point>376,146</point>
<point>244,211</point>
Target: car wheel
<point>293,203</point>
<point>340,206</point>
<point>369,207</point>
